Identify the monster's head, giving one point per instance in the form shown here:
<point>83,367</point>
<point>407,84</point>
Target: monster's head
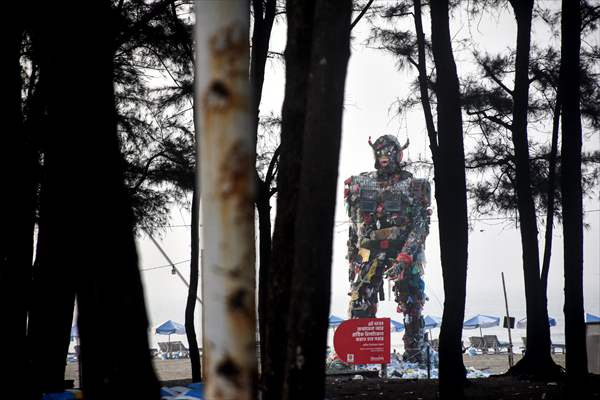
<point>388,153</point>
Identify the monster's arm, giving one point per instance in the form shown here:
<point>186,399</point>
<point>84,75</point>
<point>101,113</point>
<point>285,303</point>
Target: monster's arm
<point>421,194</point>
<point>351,203</point>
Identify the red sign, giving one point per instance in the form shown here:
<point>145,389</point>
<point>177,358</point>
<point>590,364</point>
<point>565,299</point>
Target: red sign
<point>363,341</point>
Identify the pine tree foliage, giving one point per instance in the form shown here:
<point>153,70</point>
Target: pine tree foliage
<point>154,89</point>
<point>153,63</point>
<point>487,102</point>
<point>487,105</point>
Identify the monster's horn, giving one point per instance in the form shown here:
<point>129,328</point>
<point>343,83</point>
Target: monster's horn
<point>405,145</point>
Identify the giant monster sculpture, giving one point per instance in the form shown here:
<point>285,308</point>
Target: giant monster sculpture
<point>389,213</point>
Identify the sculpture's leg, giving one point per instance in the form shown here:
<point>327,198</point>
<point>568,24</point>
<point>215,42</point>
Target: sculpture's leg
<point>413,335</point>
<point>363,301</point>
<point>364,292</point>
<point>410,298</point>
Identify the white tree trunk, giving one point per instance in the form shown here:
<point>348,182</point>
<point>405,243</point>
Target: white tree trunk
<point>227,165</point>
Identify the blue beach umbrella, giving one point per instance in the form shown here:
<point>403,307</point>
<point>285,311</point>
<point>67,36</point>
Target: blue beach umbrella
<point>396,326</point>
<point>170,327</point>
<point>432,322</point>
<point>591,318</point>
<point>481,321</point>
<point>334,321</point>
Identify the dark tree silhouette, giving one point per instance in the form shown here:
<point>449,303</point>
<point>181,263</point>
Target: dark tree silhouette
<point>446,144</point>
<point>264,12</point>
<point>450,193</point>
<point>297,57</point>
<point>190,306</point>
<point>102,263</point>
<point>537,360</point>
<point>572,192</point>
<point>313,225</point>
<point>17,169</point>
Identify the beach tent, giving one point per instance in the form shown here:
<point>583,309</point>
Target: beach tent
<point>591,318</point>
<point>334,321</point>
<point>481,321</point>
<point>522,323</point>
<point>396,326</point>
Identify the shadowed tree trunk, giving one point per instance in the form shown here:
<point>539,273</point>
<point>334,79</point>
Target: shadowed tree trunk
<point>53,286</point>
<point>450,193</point>
<point>297,58</point>
<point>263,207</point>
<point>192,296</point>
<point>89,222</point>
<point>18,209</point>
<point>572,192</point>
<point>551,197</point>
<point>53,298</point>
<point>421,66</point>
<point>537,360</point>
<point>264,15</point>
<point>310,290</point>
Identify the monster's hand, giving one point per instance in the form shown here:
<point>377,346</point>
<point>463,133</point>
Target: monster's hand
<point>395,270</point>
<point>399,264</point>
<point>404,258</point>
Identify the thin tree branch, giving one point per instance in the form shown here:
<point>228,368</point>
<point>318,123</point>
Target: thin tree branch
<point>274,161</point>
<point>362,13</point>
<point>497,80</point>
<point>491,118</point>
<point>146,170</point>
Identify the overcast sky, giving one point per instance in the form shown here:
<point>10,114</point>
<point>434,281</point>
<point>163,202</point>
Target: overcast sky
<point>373,84</point>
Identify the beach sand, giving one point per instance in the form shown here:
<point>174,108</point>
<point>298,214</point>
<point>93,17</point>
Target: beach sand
<point>169,370</point>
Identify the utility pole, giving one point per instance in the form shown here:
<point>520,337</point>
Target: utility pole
<point>508,323</point>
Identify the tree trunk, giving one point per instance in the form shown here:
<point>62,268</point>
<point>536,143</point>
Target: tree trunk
<point>424,79</point>
<point>551,197</point>
<point>551,194</point>
<point>52,299</point>
<point>309,305</point>
<point>261,34</point>
<point>572,192</point>
<point>190,306</point>
<point>89,224</point>
<point>450,193</point>
<point>297,58</point>
<point>264,239</point>
<point>227,173</point>
<point>264,15</point>
<point>18,209</point>
<point>537,360</point>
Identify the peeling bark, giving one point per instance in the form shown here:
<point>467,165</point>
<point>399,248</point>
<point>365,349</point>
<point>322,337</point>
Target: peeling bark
<point>227,176</point>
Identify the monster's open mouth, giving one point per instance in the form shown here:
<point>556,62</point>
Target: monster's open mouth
<point>384,162</point>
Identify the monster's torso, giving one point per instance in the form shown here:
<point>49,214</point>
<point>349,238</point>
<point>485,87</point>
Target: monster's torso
<point>385,209</point>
